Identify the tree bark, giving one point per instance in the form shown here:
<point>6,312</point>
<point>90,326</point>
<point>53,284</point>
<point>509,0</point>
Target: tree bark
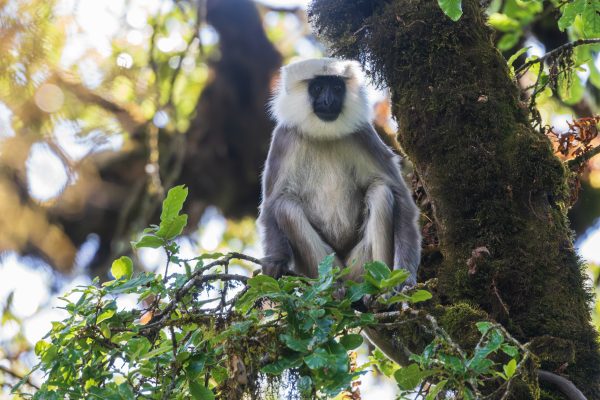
<point>493,181</point>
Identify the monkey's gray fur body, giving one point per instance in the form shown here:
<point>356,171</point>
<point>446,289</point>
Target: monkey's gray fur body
<point>333,187</point>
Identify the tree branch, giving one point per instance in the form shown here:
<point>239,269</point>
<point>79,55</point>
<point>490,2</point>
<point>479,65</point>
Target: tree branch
<point>197,278</point>
<point>25,378</point>
<point>564,385</point>
<point>577,161</point>
<point>555,52</point>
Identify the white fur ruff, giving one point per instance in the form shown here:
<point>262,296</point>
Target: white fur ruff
<point>291,104</point>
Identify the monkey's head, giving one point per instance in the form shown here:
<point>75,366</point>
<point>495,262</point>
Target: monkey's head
<point>323,98</point>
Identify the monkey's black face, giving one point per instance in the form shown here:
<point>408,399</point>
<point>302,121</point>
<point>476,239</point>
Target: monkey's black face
<point>327,96</point>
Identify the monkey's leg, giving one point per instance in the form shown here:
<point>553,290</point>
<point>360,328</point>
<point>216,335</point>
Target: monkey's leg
<point>376,243</point>
<point>309,247</point>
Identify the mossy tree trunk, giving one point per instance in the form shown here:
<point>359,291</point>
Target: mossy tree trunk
<point>492,179</point>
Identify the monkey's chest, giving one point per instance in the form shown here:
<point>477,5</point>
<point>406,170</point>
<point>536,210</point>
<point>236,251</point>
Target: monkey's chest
<point>333,201</point>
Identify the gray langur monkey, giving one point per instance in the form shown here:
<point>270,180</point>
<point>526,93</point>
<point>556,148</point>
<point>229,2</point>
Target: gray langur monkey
<point>330,184</point>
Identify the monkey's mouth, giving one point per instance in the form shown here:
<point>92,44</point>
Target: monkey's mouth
<point>327,116</point>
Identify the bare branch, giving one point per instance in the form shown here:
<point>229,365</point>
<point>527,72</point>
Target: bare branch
<point>26,378</point>
<point>564,385</point>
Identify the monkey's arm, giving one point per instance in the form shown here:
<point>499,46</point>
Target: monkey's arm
<point>277,248</point>
<point>407,235</point>
<point>406,232</point>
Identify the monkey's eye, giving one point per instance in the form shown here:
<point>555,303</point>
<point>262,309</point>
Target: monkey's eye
<point>338,88</point>
<point>317,88</point>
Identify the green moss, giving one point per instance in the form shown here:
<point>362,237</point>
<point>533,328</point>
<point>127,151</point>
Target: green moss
<point>459,321</point>
<point>492,179</point>
<point>554,352</point>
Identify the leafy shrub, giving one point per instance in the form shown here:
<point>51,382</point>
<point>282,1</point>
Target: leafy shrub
<point>210,333</point>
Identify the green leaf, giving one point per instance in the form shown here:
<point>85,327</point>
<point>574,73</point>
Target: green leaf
<point>172,227</point>
<point>385,365</point>
<point>514,57</point>
<point>264,284</point>
<point>452,8</point>
<point>248,299</point>
<point>375,272</point>
<point>219,374</point>
<point>400,297</point>
<point>591,19</point>
<point>211,256</point>
<point>287,362</point>
<point>200,392</point>
<point>508,40</point>
<point>162,349</point>
<point>122,337</point>
<point>122,268</point>
<point>351,341</point>
<point>483,326</point>
<point>419,296</point>
<point>510,350</point>
<point>570,90</point>
<point>173,204</point>
<point>569,11</point>
<point>594,74</point>
<point>503,22</point>
<point>107,314</point>
<point>150,241</point>
<point>496,340</point>
<point>195,366</point>
<point>436,390</point>
<point>300,345</point>
<point>41,347</point>
<point>115,287</point>
<point>325,274</point>
<point>358,290</point>
<point>326,265</point>
<point>137,347</point>
<point>456,364</point>
<point>517,54</point>
<point>125,391</point>
<point>397,277</point>
<point>510,368</point>
<point>481,365</point>
<point>408,377</point>
<point>305,385</point>
<point>50,354</point>
<point>318,359</point>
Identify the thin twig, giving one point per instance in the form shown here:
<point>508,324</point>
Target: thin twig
<point>174,369</point>
<point>25,378</point>
<point>198,277</point>
<point>555,52</point>
<point>577,161</point>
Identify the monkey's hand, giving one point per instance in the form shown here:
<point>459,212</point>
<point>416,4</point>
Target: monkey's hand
<point>275,268</point>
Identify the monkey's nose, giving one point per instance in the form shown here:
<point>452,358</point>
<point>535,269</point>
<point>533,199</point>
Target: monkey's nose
<point>328,99</point>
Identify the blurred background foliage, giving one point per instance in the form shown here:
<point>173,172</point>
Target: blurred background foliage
<point>105,104</point>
